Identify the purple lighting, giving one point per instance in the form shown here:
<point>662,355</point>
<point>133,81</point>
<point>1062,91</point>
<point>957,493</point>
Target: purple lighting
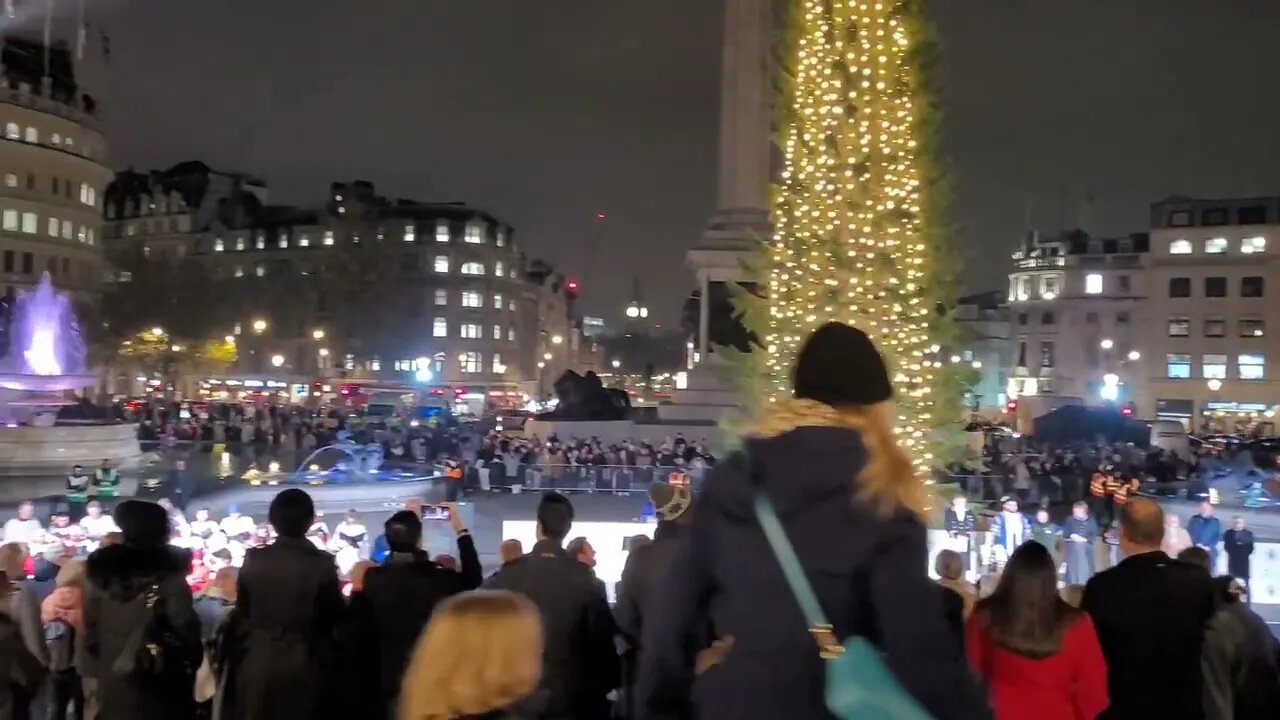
<point>46,351</point>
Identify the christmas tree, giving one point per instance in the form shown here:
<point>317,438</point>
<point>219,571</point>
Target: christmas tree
<point>856,230</point>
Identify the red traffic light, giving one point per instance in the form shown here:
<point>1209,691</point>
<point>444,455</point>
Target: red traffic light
<point>1011,406</point>
<point>1127,410</point>
<point>571,286</point>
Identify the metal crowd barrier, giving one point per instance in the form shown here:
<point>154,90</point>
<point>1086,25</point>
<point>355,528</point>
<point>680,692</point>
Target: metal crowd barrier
<point>619,479</point>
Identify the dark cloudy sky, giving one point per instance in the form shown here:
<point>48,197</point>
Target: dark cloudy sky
<point>548,111</point>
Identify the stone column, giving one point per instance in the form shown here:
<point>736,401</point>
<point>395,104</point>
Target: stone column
<point>704,315</point>
<point>744,108</point>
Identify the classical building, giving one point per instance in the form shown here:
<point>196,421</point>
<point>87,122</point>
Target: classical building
<point>1076,305</point>
<point>1214,274</point>
<point>361,288</point>
<point>53,173</point>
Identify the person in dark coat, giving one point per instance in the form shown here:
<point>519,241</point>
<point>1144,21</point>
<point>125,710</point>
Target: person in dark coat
<point>119,578</point>
<point>858,535</point>
<point>22,672</point>
<point>1150,612</point>
<point>1238,544</point>
<point>387,616</point>
<point>580,661</point>
<point>288,606</point>
<point>644,574</point>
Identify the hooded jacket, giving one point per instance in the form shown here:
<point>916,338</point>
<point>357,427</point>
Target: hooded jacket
<point>868,571</point>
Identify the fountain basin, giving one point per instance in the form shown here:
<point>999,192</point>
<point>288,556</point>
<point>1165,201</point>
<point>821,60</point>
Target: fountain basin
<point>28,450</point>
<point>46,383</point>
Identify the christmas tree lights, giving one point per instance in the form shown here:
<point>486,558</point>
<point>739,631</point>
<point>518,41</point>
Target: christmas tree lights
<point>850,239</point>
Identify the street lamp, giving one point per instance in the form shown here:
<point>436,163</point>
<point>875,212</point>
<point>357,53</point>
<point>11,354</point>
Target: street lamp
<point>1135,355</point>
<point>541,365</point>
<point>317,334</point>
<point>617,364</point>
<point>546,356</point>
<point>557,339</point>
<point>230,338</point>
<point>1106,344</point>
<point>324,352</point>
<point>259,326</point>
<point>157,330</point>
<point>176,348</point>
<point>977,364</point>
<point>1215,384</point>
<point>277,360</point>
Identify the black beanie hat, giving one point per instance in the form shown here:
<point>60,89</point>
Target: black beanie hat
<point>839,365</point>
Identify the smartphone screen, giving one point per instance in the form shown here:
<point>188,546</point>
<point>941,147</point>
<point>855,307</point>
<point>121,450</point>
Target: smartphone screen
<point>434,512</point>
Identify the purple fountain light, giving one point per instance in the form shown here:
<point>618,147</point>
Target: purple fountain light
<point>46,351</point>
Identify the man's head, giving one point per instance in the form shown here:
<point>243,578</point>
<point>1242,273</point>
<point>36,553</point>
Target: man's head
<point>959,502</point>
<point>1237,523</point>
<point>581,550</point>
<point>1206,510</point>
<point>93,509</point>
<point>225,579</point>
<point>202,514</point>
<point>1010,505</point>
<point>1141,526</point>
<point>106,462</point>
<point>555,517</point>
<point>1080,510</point>
<point>1197,556</point>
<point>510,550</point>
<point>76,470</point>
<point>26,511</point>
<point>403,531</point>
<point>1042,516</point>
<point>291,513</point>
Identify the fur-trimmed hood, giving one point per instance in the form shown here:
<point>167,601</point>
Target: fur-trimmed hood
<point>124,571</point>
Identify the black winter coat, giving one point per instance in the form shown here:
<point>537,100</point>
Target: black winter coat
<point>20,673</point>
<point>580,660</point>
<point>118,578</point>
<point>387,616</point>
<point>869,573</point>
<point>288,607</point>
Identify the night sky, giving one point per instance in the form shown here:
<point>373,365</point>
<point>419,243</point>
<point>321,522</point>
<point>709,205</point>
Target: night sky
<point>546,112</point>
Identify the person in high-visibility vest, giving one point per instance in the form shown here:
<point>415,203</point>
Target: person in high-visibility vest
<point>1097,486</point>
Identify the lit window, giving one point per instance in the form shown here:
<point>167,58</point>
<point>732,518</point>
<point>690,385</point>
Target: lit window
<point>55,139</point>
<point>217,245</point>
<point>1179,326</point>
<point>1213,365</point>
<point>513,272</point>
<point>1215,246</point>
<point>130,229</point>
<point>260,241</point>
<point>30,223</point>
<point>1181,246</point>
<point>32,135</point>
<point>1093,284</point>
<point>441,264</point>
<point>497,302</point>
<point>10,220</point>
<point>469,331</point>
<point>12,131</point>
<point>472,268</point>
<point>53,227</point>
<point>511,305</point>
<point>471,361</point>
<point>1251,366</point>
<point>498,269</point>
<point>442,232</point>
<point>328,237</point>
<point>70,141</point>
<point>442,297</point>
<point>375,365</point>
<point>498,367</point>
<point>304,240</point>
<point>1178,366</point>
<point>282,240</point>
<point>497,332</point>
<point>146,251</point>
<point>440,327</point>
<point>410,233</point>
<point>90,236</point>
<point>1251,245</point>
<point>239,272</point>
<point>1252,327</point>
<point>475,235</point>
<point>10,180</point>
<point>511,334</point>
<point>349,362</point>
<point>68,230</point>
<point>82,234</point>
<point>471,299</point>
<point>84,193</point>
<point>260,270</point>
<point>500,239</point>
<point>93,196</point>
<point>239,242</point>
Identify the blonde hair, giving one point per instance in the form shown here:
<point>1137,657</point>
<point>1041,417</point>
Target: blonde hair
<point>481,651</point>
<point>12,558</point>
<point>887,481</point>
<point>71,573</point>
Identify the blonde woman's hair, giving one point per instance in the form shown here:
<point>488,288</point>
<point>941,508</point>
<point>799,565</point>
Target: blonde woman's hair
<point>887,481</point>
<point>12,557</point>
<point>71,573</point>
<point>481,651</point>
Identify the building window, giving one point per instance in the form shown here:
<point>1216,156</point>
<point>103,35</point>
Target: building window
<point>1214,216</point>
<point>30,223</point>
<point>497,301</point>
<point>1022,318</point>
<point>1122,318</point>
<point>474,234</point>
<point>1093,284</point>
<point>1049,287</point>
<point>498,367</point>
<point>1177,366</point>
<point>1047,318</point>
<point>28,263</point>
<point>12,131</point>
<point>1252,286</point>
<point>440,327</point>
<point>10,180</point>
<point>82,234</point>
<point>469,331</point>
<point>471,362</point>
<point>1252,327</point>
<point>1022,353</point>
<point>1251,366</point>
<point>1179,287</point>
<point>282,240</point>
<point>32,135</point>
<point>442,297</point>
<point>1091,318</point>
<point>1215,326</point>
<point>498,268</point>
<point>53,227</point>
<point>410,233</point>
<point>239,272</point>
<point>472,268</point>
<point>1215,287</point>
<point>68,230</point>
<point>260,270</point>
<point>90,234</point>
<point>1215,246</point>
<point>217,245</point>
<point>442,232</point>
<point>239,242</point>
<point>1253,245</point>
<point>84,193</point>
<point>1123,284</point>
<point>497,332</point>
<point>1046,354</point>
<point>304,240</point>
<point>31,181</point>
<point>1213,365</point>
<point>471,299</point>
<point>511,305</point>
<point>441,264</point>
<point>500,238</point>
<point>1179,326</point>
<point>260,241</point>
<point>511,334</point>
<point>53,183</point>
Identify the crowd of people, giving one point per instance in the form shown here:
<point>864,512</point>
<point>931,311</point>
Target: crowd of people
<point>587,463</point>
<point>791,585</point>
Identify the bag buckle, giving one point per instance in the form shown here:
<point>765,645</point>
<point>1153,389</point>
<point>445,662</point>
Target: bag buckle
<point>829,647</point>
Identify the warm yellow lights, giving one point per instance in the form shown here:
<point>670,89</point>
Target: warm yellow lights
<point>848,240</point>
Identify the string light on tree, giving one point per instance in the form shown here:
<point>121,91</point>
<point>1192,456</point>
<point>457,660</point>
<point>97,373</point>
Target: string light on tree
<point>850,211</point>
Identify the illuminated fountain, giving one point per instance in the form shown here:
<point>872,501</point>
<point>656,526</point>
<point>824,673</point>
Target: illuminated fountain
<point>355,464</point>
<point>44,363</point>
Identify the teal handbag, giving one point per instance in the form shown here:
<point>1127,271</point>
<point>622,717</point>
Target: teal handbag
<point>859,686</point>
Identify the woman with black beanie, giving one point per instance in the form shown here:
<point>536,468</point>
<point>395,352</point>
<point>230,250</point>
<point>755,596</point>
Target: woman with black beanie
<point>137,603</point>
<point>848,500</point>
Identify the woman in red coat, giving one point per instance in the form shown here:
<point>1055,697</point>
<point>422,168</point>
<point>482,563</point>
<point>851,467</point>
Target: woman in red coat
<point>1039,656</point>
